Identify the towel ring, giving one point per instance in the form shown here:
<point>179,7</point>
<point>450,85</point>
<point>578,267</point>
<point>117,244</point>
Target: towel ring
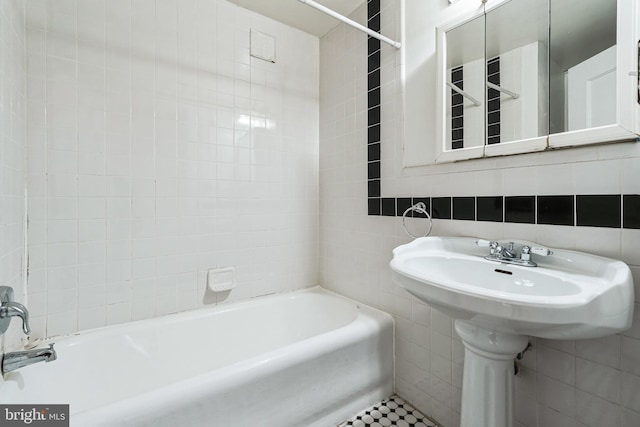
<point>422,209</point>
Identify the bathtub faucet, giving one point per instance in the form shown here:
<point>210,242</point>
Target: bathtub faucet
<point>15,309</point>
<point>20,359</point>
<point>10,308</point>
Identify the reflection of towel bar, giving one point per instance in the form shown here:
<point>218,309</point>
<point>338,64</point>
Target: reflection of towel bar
<point>463,93</point>
<point>503,90</point>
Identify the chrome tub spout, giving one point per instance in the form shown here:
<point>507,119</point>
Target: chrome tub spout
<point>20,359</point>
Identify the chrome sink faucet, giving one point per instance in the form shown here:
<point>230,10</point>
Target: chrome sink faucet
<point>508,255</point>
<point>20,359</point>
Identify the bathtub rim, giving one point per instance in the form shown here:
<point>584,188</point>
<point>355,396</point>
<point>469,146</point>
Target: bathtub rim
<point>367,321</point>
<point>198,312</point>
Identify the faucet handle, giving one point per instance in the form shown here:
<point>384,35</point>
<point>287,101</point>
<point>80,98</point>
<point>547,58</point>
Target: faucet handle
<point>486,243</point>
<point>538,250</point>
<point>15,309</point>
<point>9,308</point>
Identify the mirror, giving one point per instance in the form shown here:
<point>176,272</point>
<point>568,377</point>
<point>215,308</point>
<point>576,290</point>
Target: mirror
<point>543,67</point>
<point>582,63</point>
<point>465,77</point>
<point>517,46</point>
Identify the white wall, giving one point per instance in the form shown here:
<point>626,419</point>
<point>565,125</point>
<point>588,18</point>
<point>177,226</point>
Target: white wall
<point>12,153</point>
<point>158,148</point>
<point>563,383</point>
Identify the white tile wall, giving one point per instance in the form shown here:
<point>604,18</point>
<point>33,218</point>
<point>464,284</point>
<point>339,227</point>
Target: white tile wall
<point>562,383</point>
<point>157,149</point>
<point>13,86</point>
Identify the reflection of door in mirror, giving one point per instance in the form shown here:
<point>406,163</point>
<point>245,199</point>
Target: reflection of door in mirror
<point>517,71</point>
<point>591,91</point>
<point>465,75</point>
<point>582,64</point>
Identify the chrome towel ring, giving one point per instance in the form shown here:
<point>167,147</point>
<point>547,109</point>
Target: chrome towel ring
<point>421,208</point>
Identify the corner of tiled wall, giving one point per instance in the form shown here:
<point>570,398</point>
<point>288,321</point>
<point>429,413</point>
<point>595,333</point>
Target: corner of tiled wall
<point>159,148</point>
<point>590,383</point>
<point>12,156</point>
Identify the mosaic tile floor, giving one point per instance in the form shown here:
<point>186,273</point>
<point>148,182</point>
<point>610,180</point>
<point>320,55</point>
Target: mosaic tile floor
<point>391,412</point>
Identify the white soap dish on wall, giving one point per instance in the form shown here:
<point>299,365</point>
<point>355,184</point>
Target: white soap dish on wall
<point>221,279</point>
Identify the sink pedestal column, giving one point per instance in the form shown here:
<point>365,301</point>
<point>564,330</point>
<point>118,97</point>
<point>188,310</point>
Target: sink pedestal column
<point>487,384</point>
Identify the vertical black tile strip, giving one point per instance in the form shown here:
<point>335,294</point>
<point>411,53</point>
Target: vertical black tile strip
<point>376,205</point>
<point>374,22</point>
<point>373,62</point>
<point>373,133</point>
<point>373,7</point>
<point>373,188</point>
<point>374,79</point>
<point>373,97</point>
<point>373,152</point>
<point>374,170</point>
<point>374,114</point>
<point>457,109</point>
<point>631,211</point>
<point>373,45</point>
<point>599,210</point>
<point>493,102</point>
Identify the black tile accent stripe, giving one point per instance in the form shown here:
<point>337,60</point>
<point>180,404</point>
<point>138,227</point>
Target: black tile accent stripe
<point>521,209</point>
<point>374,79</point>
<point>493,102</point>
<point>373,8</point>
<point>599,211</point>
<point>441,207</point>
<point>631,211</point>
<point>373,151</point>
<point>612,210</point>
<point>556,210</point>
<point>490,208</point>
<point>464,208</point>
<point>374,188</point>
<point>376,205</point>
<point>389,206</point>
<point>427,203</point>
<point>402,204</point>
<point>374,170</point>
<point>457,109</point>
<point>373,133</point>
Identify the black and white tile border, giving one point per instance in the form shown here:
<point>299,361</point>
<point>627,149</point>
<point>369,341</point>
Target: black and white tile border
<point>391,412</point>
<point>599,210</point>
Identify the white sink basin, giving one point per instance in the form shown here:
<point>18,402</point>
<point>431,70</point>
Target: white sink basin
<point>569,295</point>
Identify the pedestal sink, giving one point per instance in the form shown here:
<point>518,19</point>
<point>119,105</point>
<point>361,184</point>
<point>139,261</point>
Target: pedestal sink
<point>496,306</point>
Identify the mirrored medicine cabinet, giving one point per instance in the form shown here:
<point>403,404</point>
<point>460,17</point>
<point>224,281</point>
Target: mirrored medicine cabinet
<point>521,76</point>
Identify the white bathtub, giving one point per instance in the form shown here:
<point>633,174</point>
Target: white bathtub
<point>308,358</point>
